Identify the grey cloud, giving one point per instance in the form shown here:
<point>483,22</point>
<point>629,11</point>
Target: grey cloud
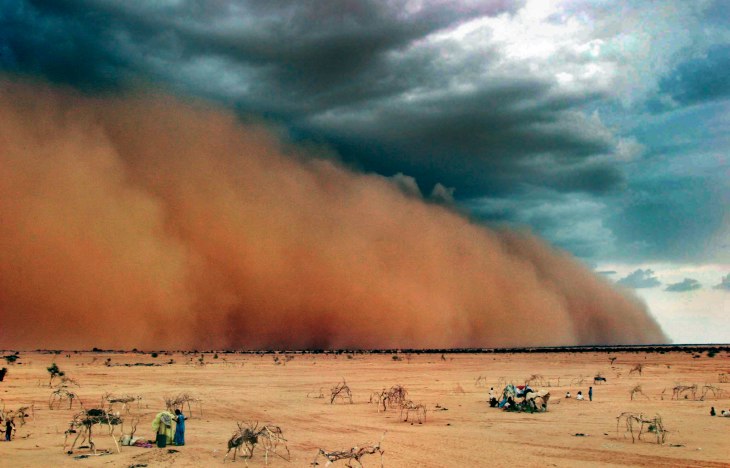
<point>640,279</point>
<point>700,79</point>
<point>688,284</point>
<point>442,194</point>
<point>387,87</point>
<point>570,221</point>
<point>342,73</point>
<point>407,184</point>
<point>724,283</point>
<point>670,217</point>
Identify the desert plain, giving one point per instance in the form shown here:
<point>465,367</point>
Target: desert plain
<point>292,391</point>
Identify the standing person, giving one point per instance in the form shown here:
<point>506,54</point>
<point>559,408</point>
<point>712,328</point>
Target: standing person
<point>590,393</point>
<point>712,411</point>
<point>162,425</point>
<point>9,426</point>
<point>179,428</point>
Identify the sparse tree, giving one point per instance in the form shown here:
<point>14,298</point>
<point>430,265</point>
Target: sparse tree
<point>54,371</point>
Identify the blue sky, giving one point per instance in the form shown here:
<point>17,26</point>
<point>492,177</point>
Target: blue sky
<point>600,125</point>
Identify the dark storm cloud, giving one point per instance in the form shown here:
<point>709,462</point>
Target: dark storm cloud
<point>640,279</point>
<point>570,221</point>
<point>671,218</point>
<point>688,284</point>
<point>701,79</point>
<point>339,73</point>
<point>401,89</point>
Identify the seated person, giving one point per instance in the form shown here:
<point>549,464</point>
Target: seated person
<point>567,395</point>
<point>510,403</point>
<point>579,396</point>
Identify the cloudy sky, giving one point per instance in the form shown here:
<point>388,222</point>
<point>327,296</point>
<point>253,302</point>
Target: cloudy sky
<point>599,125</point>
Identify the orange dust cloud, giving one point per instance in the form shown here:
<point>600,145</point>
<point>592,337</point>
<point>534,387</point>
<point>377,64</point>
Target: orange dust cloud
<point>142,221</point>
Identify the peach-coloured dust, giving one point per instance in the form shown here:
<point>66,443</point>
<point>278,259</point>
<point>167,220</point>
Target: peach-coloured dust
<point>143,221</point>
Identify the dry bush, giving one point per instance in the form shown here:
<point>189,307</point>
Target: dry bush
<point>355,453</point>
<point>717,392</point>
<point>83,422</point>
<point>341,391</point>
<point>110,400</point>
<point>637,425</point>
<point>59,395</point>
<point>247,437</point>
<point>182,399</point>
<point>408,407</point>
<point>637,390</point>
<point>684,391</point>
<point>637,368</point>
<point>578,381</point>
<point>536,379</point>
<point>392,397</point>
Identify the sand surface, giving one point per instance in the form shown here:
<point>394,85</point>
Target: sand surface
<point>466,432</point>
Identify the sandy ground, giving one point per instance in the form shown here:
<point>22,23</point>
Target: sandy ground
<point>243,387</point>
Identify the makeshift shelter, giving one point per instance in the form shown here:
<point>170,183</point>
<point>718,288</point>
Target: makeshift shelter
<point>523,398</point>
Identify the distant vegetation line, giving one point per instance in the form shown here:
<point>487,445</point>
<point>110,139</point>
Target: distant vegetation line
<point>697,348</point>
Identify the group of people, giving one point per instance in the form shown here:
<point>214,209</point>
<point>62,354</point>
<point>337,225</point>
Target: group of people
<point>723,413</point>
<point>518,398</point>
<point>162,425</point>
<point>580,396</point>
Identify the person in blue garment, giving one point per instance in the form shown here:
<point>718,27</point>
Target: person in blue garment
<point>179,428</point>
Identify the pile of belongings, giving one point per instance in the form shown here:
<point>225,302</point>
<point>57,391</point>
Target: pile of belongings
<point>135,441</point>
<point>522,398</point>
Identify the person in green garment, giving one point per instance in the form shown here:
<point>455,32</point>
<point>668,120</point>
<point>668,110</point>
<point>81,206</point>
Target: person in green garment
<point>162,425</point>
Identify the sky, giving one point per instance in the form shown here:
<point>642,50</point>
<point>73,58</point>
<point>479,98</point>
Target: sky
<point>600,126</point>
